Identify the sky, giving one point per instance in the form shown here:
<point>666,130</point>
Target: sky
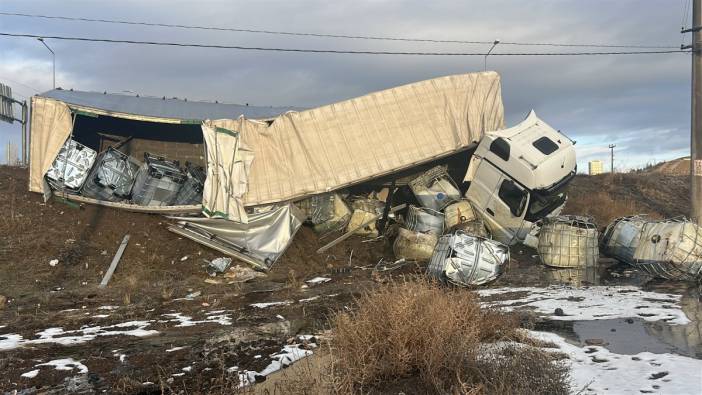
<point>641,103</point>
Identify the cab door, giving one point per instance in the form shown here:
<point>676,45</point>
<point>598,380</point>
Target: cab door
<point>482,189</point>
<point>507,209</point>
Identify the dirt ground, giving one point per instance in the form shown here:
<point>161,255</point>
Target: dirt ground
<point>144,333</point>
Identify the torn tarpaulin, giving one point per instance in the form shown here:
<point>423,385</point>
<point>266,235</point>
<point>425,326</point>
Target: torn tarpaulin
<point>259,242</point>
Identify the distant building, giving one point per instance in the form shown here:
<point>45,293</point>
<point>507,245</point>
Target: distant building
<point>594,167</point>
<point>11,158</point>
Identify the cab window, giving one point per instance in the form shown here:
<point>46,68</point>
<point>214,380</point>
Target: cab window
<point>545,145</point>
<point>513,196</point>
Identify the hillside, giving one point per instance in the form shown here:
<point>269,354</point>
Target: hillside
<point>606,197</point>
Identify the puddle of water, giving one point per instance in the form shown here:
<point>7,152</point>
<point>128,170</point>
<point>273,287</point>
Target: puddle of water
<point>660,336</point>
<point>624,336</point>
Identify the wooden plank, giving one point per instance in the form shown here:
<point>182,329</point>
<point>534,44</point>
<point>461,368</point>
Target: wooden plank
<point>351,232</point>
<point>114,263</point>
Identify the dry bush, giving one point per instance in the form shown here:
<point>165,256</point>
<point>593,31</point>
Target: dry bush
<point>411,329</point>
<point>602,207</point>
<point>518,369</point>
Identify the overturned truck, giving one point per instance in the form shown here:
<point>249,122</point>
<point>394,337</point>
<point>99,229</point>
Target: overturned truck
<point>228,175</point>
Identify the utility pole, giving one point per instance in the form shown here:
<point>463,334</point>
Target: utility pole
<point>696,118</point>
<point>611,157</point>
<point>53,59</point>
<point>25,162</point>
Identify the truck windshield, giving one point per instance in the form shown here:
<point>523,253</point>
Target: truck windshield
<point>541,205</point>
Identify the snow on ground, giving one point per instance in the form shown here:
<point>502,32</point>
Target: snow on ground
<point>66,364</point>
<point>77,336</point>
<point>31,374</point>
<point>318,280</point>
<point>590,303</point>
<point>184,320</point>
<point>85,334</point>
<point>177,349</point>
<point>309,299</point>
<point>286,357</point>
<point>271,304</point>
<point>596,370</point>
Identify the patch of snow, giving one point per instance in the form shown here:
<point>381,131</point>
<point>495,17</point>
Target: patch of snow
<point>184,320</point>
<point>77,336</point>
<point>271,304</point>
<point>215,312</point>
<point>289,355</point>
<point>31,374</point>
<point>108,308</point>
<point>591,303</point>
<point>176,349</point>
<point>187,369</point>
<point>596,370</point>
<point>53,262</point>
<point>66,364</point>
<point>309,299</point>
<point>100,316</point>
<point>318,280</point>
<point>233,369</point>
<point>178,374</point>
<point>183,259</point>
<point>280,317</point>
<point>9,341</point>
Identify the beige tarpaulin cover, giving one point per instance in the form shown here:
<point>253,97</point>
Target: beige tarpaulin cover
<point>51,126</point>
<point>319,150</point>
<point>228,167</point>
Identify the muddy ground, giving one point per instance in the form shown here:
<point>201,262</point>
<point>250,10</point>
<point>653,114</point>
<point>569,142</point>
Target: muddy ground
<point>159,324</point>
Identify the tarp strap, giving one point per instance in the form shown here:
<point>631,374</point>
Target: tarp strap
<point>84,113</point>
<point>227,131</point>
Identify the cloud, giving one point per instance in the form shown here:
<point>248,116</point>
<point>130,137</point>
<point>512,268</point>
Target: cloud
<point>594,99</point>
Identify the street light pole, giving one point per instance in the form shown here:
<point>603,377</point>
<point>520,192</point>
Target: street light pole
<point>53,58</point>
<point>494,44</point>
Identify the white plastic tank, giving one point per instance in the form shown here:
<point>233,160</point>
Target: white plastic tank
<point>425,220</point>
<point>466,260</point>
<point>458,213</point>
<point>670,249</point>
<point>435,189</point>
<point>622,236</point>
<point>414,246</point>
<point>568,241</point>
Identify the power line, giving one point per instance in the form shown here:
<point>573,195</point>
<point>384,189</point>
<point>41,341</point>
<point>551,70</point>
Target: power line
<point>335,51</point>
<point>323,35</point>
<point>19,83</point>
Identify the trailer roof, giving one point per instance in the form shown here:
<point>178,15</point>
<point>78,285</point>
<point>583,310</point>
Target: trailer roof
<point>162,107</point>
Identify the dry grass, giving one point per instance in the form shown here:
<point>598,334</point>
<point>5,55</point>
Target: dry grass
<point>603,207</point>
<point>419,337</point>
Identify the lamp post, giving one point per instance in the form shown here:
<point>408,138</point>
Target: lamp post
<point>53,58</point>
<point>494,44</point>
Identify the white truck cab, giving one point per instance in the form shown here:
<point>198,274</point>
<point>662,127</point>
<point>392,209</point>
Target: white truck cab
<point>518,176</point>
